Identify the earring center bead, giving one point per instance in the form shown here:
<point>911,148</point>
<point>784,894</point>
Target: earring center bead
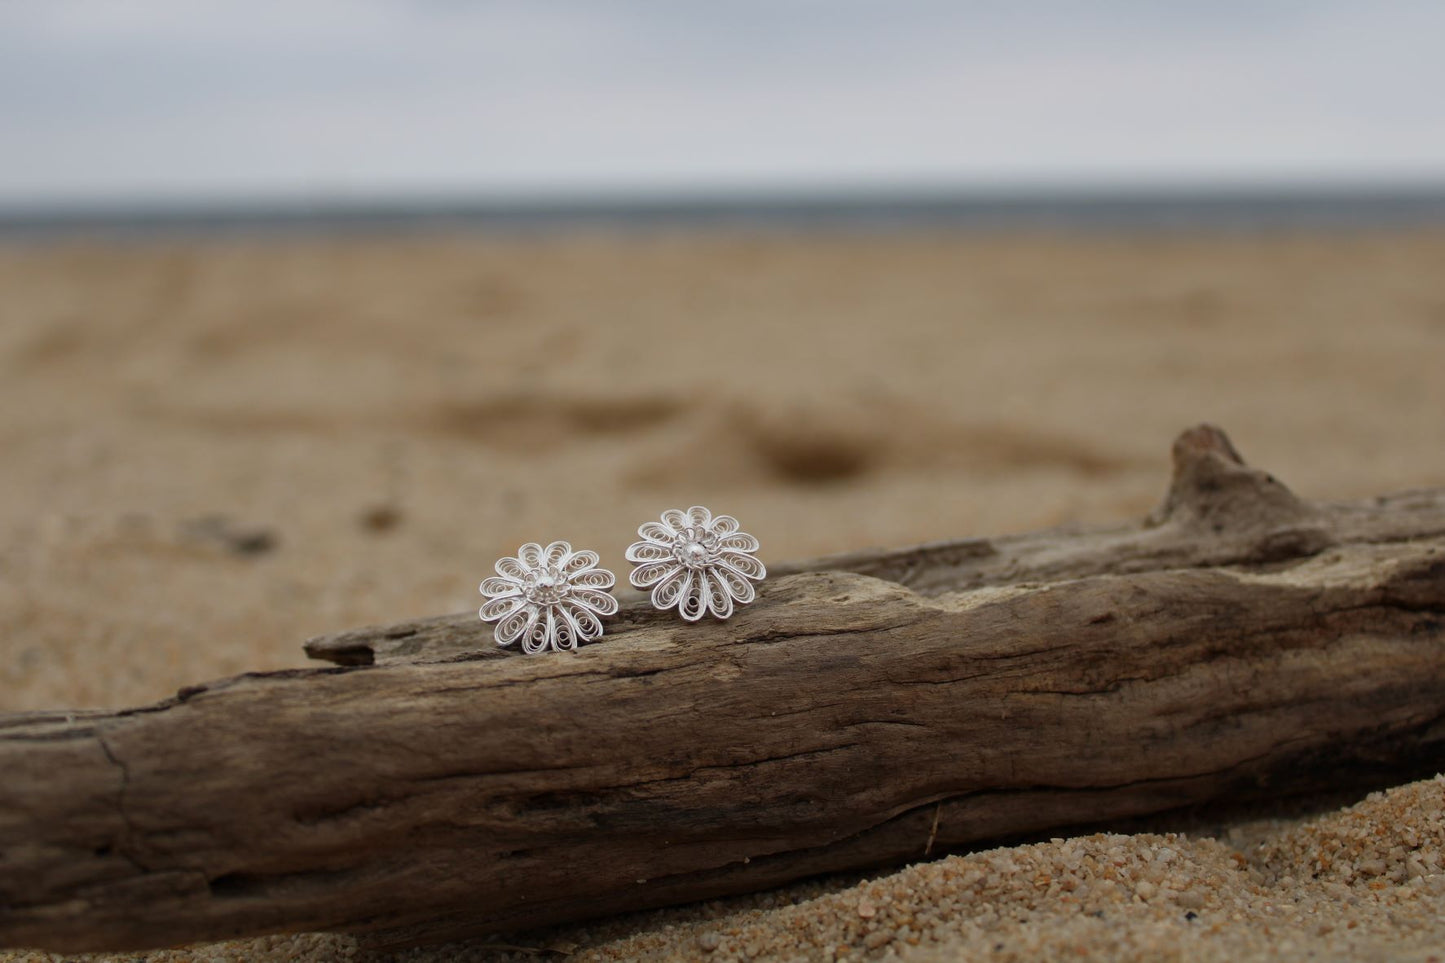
<point>694,547</point>
<point>545,587</point>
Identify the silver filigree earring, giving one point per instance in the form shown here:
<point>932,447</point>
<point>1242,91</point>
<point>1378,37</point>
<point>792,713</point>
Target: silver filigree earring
<point>549,598</point>
<point>696,562</point>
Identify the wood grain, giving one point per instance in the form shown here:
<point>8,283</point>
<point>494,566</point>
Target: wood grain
<point>1241,641</point>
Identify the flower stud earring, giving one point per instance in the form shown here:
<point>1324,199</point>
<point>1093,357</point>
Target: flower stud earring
<point>696,562</point>
<point>549,598</point>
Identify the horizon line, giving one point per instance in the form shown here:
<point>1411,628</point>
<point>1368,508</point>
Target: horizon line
<point>1233,206</point>
<point>785,192</point>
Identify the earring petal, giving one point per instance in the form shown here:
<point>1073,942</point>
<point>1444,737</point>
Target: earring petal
<point>719,599</point>
<point>665,594</point>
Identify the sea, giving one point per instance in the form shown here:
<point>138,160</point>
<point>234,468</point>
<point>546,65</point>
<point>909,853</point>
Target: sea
<point>1211,210</point>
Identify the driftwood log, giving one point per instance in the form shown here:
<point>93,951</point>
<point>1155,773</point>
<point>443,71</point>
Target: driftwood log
<point>868,709</point>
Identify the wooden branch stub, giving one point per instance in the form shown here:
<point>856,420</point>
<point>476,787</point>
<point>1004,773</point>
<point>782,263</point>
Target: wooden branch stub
<point>433,786</point>
<point>1214,491</point>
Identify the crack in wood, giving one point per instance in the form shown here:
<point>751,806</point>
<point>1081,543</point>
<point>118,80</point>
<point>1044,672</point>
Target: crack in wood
<point>125,847</point>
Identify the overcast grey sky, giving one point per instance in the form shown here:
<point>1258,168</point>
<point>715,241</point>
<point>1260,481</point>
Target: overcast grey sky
<point>106,99</point>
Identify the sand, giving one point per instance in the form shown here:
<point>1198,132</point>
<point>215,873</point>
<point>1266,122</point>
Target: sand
<point>211,451</point>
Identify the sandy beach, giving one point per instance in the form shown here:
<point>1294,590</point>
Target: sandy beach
<point>215,450</point>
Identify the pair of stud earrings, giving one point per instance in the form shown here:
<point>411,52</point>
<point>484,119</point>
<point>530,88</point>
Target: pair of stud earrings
<point>555,598</point>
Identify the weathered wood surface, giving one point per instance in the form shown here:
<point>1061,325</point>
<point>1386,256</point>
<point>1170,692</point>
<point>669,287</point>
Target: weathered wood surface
<point>866,710</point>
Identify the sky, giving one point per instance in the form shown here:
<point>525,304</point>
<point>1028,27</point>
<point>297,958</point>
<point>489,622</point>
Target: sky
<point>114,101</point>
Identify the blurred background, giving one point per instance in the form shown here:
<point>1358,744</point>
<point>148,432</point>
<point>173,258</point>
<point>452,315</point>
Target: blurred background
<point>306,316</point>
